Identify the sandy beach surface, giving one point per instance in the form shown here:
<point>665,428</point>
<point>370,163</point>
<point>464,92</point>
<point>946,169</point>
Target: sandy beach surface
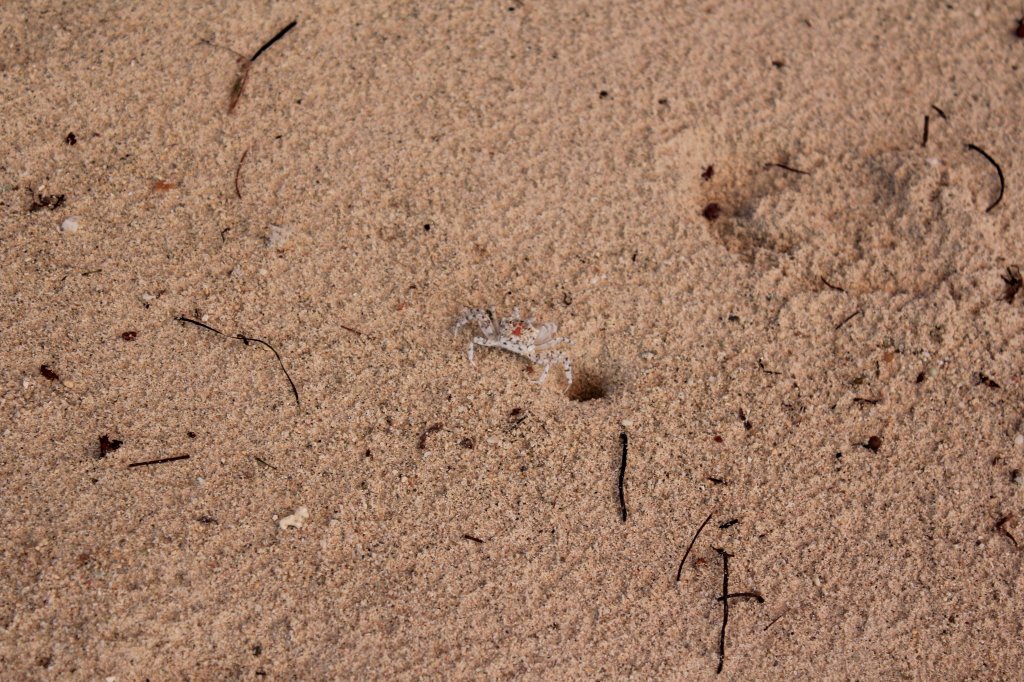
<point>799,306</point>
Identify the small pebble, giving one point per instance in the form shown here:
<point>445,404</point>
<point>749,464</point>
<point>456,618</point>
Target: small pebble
<point>295,520</point>
<point>1018,440</point>
<point>69,226</point>
<point>279,236</point>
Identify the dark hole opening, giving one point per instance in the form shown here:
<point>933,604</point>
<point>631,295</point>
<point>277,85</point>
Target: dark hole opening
<point>589,385</point>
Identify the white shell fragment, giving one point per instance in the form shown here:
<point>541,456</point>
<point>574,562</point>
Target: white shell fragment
<point>69,226</point>
<point>296,520</point>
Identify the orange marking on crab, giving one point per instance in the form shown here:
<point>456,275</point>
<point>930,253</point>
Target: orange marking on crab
<point>518,330</point>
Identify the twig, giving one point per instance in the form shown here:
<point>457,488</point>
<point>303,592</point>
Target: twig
<point>163,460</point>
<point>238,171</point>
<point>999,171</point>
<point>924,139</point>
<point>266,464</point>
<point>246,65</point>
<point>622,474</point>
<point>830,285</point>
<point>760,363</point>
<point>775,620</point>
<point>849,317</point>
<point>350,329</point>
<point>466,536</point>
<point>725,608</point>
<point>756,596</point>
<point>679,573</point>
<point>786,168</point>
<point>239,85</point>
<point>724,598</point>
<point>280,34</point>
<point>246,339</point>
<point>940,112</point>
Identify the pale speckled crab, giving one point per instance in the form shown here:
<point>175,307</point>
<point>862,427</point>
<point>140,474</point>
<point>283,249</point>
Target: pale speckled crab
<point>518,336</point>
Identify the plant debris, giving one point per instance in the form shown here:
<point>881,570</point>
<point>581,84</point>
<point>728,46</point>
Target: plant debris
<point>622,475</point>
<point>679,573</point>
<point>162,460</point>
<point>1013,282</point>
<point>724,598</point>
<point>244,66</point>
<point>786,168</point>
<point>984,379</point>
<point>238,171</point>
<point>48,373</point>
<point>999,172</point>
<point>246,340</point>
<point>848,318</point>
<point>107,445</point>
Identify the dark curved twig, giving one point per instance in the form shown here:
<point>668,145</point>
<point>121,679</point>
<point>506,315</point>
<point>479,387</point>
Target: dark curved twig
<point>679,573</point>
<point>246,339</point>
<point>999,171</point>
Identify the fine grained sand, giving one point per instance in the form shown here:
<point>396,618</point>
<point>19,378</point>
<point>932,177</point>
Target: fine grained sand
<point>725,349</point>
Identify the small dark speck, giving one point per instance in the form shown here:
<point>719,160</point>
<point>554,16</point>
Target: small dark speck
<point>466,443</point>
<point>191,434</point>
<point>70,139</point>
<point>733,318</point>
<point>839,455</point>
<point>716,481</point>
<point>663,101</point>
<point>712,211</point>
<point>708,173</point>
<point>920,378</point>
<point>729,523</point>
<point>778,63</point>
<point>603,94</point>
<point>129,336</point>
<point>206,520</point>
<point>987,381</point>
<point>874,443</point>
<point>718,439</point>
<point>257,650</point>
<point>426,227</point>
<point>48,373</point>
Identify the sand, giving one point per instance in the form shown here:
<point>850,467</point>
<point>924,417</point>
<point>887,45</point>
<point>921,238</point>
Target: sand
<point>831,362</point>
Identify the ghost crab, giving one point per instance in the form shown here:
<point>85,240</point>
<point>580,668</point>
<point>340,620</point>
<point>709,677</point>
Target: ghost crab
<point>518,336</point>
